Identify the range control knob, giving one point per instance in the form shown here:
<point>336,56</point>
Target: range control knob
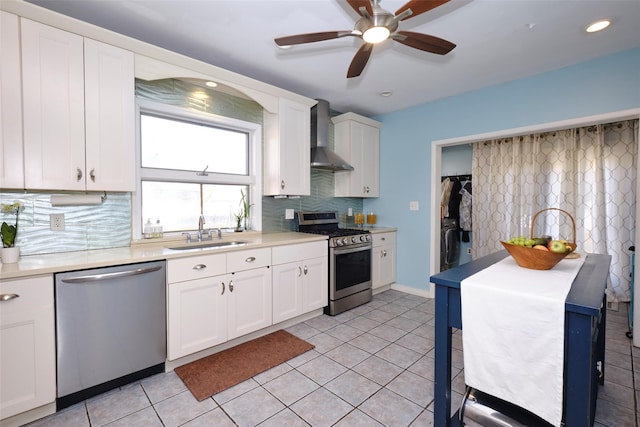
<point>344,241</point>
<point>354,239</point>
<point>363,238</point>
<point>368,237</point>
<point>338,242</point>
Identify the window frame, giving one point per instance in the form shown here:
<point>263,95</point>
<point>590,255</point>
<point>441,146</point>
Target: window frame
<point>253,180</point>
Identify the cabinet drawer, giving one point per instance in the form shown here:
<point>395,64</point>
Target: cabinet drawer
<point>297,252</point>
<point>380,239</point>
<point>246,260</point>
<point>195,267</point>
<point>31,294</point>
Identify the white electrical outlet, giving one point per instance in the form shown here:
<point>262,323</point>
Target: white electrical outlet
<point>414,205</point>
<point>288,214</point>
<point>350,212</point>
<point>56,222</point>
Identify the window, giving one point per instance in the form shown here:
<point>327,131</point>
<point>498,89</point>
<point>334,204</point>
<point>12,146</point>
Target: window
<point>193,164</point>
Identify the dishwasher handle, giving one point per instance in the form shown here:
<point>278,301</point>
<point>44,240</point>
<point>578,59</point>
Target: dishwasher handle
<point>114,275</point>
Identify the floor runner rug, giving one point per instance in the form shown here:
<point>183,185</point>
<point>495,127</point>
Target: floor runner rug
<point>213,374</point>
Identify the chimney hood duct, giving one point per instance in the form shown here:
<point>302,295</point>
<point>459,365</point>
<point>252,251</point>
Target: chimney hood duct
<point>321,155</point>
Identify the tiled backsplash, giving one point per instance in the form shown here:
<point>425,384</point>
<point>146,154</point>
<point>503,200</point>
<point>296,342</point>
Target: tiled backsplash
<point>109,225</point>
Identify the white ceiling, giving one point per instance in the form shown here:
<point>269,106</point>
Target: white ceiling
<point>497,41</point>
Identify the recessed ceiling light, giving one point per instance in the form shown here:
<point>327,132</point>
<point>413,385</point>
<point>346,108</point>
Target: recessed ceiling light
<point>598,26</point>
<point>211,84</point>
<point>386,93</point>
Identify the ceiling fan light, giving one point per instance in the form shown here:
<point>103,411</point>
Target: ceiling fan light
<point>598,26</point>
<point>376,34</point>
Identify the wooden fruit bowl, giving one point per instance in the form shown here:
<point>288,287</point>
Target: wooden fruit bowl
<point>537,259</point>
<point>534,259</point>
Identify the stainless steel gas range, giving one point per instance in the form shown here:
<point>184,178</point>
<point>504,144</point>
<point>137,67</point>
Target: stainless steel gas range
<point>349,259</point>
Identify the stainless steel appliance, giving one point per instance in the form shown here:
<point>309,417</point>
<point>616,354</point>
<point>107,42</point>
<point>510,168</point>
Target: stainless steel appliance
<point>349,260</point>
<point>110,327</point>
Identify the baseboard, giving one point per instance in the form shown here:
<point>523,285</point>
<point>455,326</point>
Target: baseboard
<point>425,293</point>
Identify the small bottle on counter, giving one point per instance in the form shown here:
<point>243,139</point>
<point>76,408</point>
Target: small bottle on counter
<point>148,229</point>
<point>157,231</point>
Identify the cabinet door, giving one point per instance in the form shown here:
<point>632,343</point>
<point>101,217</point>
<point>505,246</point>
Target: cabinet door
<point>287,291</point>
<point>109,117</point>
<point>53,102</point>
<point>11,159</point>
<point>249,301</point>
<point>387,264</point>
<point>27,345</point>
<point>197,316</point>
<point>287,150</point>
<point>370,161</point>
<point>315,284</point>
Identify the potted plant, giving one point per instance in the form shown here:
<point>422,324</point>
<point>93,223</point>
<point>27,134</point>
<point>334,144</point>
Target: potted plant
<point>9,233</point>
<point>243,213</point>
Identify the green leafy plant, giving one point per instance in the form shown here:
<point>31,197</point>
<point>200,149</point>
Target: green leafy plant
<point>10,232</point>
<point>244,212</point>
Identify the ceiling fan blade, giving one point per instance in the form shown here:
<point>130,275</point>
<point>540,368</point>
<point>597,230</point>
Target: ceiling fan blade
<point>424,42</point>
<point>360,60</point>
<point>419,6</point>
<point>310,37</point>
<point>357,4</point>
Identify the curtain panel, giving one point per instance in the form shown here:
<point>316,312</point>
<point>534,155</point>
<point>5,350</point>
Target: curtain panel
<point>589,172</point>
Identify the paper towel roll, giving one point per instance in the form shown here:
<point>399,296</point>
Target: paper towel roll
<point>76,200</point>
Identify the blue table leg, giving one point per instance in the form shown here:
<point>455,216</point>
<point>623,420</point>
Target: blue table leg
<point>442,375</point>
<point>579,365</point>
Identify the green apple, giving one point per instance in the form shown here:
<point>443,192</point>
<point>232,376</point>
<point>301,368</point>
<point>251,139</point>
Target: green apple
<point>557,246</point>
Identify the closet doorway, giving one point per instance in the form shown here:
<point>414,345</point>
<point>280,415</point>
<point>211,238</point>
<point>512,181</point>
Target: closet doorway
<point>436,173</point>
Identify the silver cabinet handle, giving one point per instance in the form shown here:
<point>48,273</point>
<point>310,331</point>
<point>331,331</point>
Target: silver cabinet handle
<point>222,289</point>
<point>282,184</point>
<point>383,238</point>
<point>78,174</point>
<point>306,270</point>
<point>8,297</point>
<point>367,189</point>
<point>384,253</point>
<point>199,267</point>
<point>231,286</point>
<point>114,275</point>
<point>250,259</point>
<point>299,271</point>
<point>92,175</point>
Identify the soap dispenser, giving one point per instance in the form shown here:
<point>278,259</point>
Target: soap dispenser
<point>147,232</point>
<point>158,229</point>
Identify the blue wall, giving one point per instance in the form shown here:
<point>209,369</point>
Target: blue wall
<point>604,85</point>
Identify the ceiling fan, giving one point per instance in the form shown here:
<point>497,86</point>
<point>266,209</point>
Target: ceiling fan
<point>377,25</point>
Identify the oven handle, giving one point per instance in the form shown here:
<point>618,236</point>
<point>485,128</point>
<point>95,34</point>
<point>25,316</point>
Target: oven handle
<point>351,249</point>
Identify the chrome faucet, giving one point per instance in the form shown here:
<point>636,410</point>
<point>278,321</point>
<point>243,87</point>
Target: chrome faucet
<point>200,227</point>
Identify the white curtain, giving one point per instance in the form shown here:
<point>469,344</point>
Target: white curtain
<point>589,172</point>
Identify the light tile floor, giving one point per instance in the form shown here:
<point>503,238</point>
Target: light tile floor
<point>372,366</point>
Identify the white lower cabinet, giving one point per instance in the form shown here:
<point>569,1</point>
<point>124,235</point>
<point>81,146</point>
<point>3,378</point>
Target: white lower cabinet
<point>384,259</point>
<point>27,345</point>
<point>300,279</point>
<point>208,306</point>
<point>249,301</point>
<point>197,317</point>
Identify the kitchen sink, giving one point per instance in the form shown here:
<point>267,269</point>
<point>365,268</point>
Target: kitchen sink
<point>211,245</point>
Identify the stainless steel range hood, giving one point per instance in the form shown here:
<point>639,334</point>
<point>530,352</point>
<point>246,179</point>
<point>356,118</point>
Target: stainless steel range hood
<point>321,155</point>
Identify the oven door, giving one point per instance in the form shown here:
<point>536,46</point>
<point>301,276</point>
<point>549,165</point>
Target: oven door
<point>349,270</point>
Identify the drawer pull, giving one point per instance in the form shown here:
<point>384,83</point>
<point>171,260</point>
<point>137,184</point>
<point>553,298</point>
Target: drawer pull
<point>78,174</point>
<point>231,286</point>
<point>199,267</point>
<point>250,259</point>
<point>306,270</point>
<point>222,293</point>
<point>7,297</point>
<point>383,238</point>
<point>299,271</point>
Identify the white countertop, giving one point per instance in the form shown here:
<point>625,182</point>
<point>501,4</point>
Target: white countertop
<point>142,251</point>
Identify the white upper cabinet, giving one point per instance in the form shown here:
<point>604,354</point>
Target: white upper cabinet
<point>109,117</point>
<point>79,112</point>
<point>287,150</point>
<point>11,165</point>
<point>357,141</point>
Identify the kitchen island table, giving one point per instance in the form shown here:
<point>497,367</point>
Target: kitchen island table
<point>584,337</point>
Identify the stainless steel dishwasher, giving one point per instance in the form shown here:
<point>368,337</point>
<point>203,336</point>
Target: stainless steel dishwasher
<point>110,328</point>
